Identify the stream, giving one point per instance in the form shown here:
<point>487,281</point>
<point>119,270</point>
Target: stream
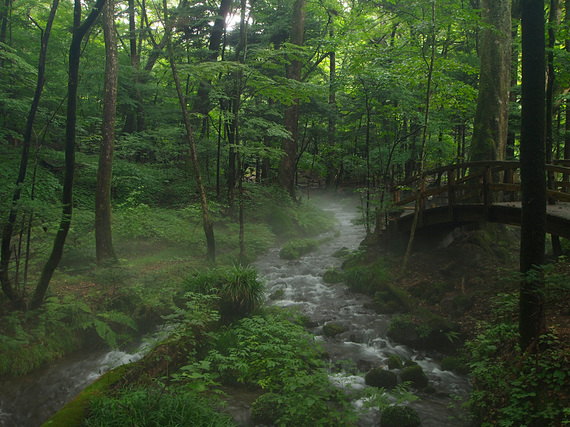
<point>364,344</point>
<point>29,400</point>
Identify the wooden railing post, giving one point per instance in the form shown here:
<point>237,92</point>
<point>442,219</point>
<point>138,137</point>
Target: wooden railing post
<point>487,196</point>
<point>451,199</point>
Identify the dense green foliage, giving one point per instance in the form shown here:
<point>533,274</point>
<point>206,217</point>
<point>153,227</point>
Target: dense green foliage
<point>171,408</point>
<point>529,392</point>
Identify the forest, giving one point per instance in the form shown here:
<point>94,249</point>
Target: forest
<point>160,161</point>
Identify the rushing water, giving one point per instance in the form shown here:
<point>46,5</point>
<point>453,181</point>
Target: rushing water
<point>364,344</point>
<point>29,400</point>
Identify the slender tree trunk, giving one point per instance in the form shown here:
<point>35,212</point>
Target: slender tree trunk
<point>331,163</point>
<point>208,223</point>
<point>287,164</point>
<point>567,121</point>
<point>103,233</point>
<point>79,32</point>
<point>491,117</point>
<point>8,229</point>
<point>424,141</point>
<point>533,180</point>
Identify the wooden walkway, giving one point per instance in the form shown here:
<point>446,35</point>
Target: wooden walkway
<point>477,192</point>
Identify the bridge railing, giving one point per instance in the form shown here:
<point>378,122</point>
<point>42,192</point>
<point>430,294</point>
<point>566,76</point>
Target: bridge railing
<point>475,183</point>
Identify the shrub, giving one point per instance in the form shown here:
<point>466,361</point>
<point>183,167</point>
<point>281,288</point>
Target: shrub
<point>265,409</point>
<point>399,416</point>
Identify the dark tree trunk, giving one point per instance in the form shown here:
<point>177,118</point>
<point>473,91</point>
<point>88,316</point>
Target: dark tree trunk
<point>5,254</point>
<point>79,31</point>
<point>288,162</point>
<point>103,233</point>
<point>533,180</point>
<point>491,117</point>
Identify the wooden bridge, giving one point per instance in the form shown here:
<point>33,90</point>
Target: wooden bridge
<point>477,192</point>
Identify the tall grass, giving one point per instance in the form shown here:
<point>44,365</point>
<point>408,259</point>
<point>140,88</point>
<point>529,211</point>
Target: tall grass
<point>238,288</point>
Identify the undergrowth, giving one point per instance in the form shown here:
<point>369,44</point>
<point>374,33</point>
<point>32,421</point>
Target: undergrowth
<point>516,389</point>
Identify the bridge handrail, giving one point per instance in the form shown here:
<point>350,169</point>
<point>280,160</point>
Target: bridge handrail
<point>478,184</point>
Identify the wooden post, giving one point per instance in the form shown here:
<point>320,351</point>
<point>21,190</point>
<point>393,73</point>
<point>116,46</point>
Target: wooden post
<point>487,196</point>
<point>451,199</point>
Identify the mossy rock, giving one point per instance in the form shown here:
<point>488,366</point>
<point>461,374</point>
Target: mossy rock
<point>455,364</point>
<point>341,253</point>
<point>265,409</point>
<point>332,329</point>
<point>415,375</point>
<point>403,329</point>
<point>296,248</point>
<point>280,223</point>
<point>74,412</point>
<point>278,294</point>
<point>399,416</point>
<point>333,275</point>
<point>381,378</point>
<point>394,362</point>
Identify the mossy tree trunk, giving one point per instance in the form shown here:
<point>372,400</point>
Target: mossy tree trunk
<point>288,162</point>
<point>103,233</point>
<point>491,117</point>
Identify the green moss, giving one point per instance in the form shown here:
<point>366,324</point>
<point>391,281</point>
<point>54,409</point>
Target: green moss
<point>296,248</point>
<point>332,329</point>
<point>281,223</point>
<point>333,275</point>
<point>73,413</point>
<point>381,378</point>
<point>415,375</point>
<point>455,364</point>
<point>394,362</point>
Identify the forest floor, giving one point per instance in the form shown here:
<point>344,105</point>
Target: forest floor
<point>480,264</point>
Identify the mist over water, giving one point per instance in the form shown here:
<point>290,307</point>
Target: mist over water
<point>363,345</point>
<point>29,400</point>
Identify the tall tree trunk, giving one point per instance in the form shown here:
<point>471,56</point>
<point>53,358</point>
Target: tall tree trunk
<point>533,181</point>
<point>8,229</point>
<point>80,29</point>
<point>207,221</point>
<point>515,22</point>
<point>424,140</point>
<point>287,163</point>
<point>491,117</point>
<point>331,166</point>
<point>103,233</point>
<point>553,21</point>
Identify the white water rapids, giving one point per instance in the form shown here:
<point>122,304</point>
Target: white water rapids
<point>29,400</point>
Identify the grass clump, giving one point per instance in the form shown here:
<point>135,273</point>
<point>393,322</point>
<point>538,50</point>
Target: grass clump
<point>238,289</point>
<point>155,407</point>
